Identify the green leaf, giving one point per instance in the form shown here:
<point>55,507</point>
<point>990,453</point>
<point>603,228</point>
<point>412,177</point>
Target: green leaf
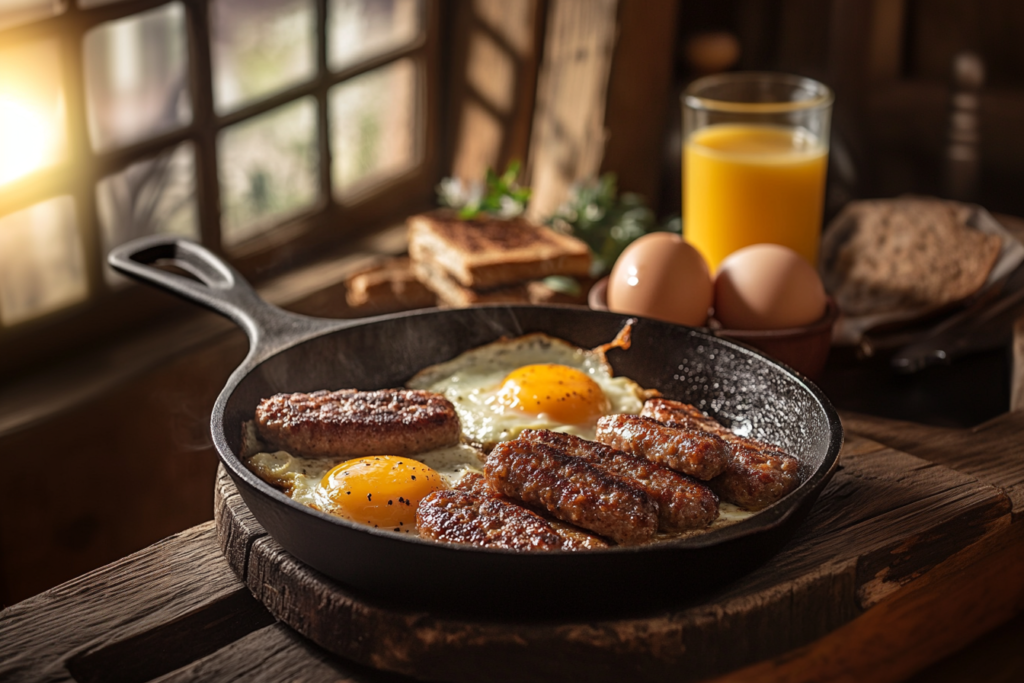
<point>563,284</point>
<point>606,221</point>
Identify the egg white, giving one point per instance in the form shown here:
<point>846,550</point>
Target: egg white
<point>300,477</point>
<point>471,382</point>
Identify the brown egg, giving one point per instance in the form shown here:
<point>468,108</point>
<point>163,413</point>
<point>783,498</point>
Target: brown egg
<point>767,287</point>
<point>661,276</point>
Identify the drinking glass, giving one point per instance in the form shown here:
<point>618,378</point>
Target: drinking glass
<point>755,153</point>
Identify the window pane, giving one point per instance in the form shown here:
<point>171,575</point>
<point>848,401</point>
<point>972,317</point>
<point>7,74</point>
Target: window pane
<point>359,29</point>
<point>42,268</point>
<point>33,123</point>
<point>155,196</point>
<point>373,126</point>
<point>268,169</point>
<point>136,77</point>
<point>16,12</point>
<point>260,48</point>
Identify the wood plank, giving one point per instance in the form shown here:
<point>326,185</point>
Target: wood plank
<point>137,601</point>
<point>273,654</point>
<point>887,519</point>
<point>236,535</point>
<point>1017,370</point>
<point>495,63</point>
<point>995,658</point>
<point>961,599</point>
<point>640,94</point>
<point>990,452</point>
<point>568,138</point>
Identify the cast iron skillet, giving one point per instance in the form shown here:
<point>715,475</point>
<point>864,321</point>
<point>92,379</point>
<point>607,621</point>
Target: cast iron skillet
<point>290,353</point>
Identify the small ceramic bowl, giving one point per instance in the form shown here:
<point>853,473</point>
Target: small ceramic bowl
<point>805,349</point>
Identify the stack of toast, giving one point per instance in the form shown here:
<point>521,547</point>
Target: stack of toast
<point>493,260</point>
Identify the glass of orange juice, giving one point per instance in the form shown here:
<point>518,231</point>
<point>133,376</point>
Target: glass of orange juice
<point>755,152</point>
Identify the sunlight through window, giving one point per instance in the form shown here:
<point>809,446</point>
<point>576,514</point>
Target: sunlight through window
<point>32,111</point>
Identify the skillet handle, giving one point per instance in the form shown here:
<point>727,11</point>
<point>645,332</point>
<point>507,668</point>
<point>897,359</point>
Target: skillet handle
<point>222,289</point>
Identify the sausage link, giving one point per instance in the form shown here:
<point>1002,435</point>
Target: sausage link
<point>683,503</point>
<point>573,491</point>
<point>692,452</point>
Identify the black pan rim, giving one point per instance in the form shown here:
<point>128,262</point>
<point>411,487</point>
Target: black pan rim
<point>764,520</point>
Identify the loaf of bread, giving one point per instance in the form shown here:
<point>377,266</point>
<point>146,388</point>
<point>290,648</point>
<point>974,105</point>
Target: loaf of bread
<point>906,253</point>
<point>486,252</point>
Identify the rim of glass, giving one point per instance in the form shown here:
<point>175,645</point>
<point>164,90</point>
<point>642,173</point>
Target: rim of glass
<point>822,94</point>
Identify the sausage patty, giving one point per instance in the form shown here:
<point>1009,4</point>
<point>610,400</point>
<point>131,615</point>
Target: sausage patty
<point>697,453</point>
<point>353,423</point>
<point>757,475</point>
<point>683,503</point>
<point>572,490</point>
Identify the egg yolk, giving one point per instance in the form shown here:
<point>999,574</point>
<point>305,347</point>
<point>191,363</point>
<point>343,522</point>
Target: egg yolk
<point>564,394</point>
<point>379,490</point>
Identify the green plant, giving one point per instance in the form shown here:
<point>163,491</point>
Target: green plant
<point>500,195</point>
<point>605,220</point>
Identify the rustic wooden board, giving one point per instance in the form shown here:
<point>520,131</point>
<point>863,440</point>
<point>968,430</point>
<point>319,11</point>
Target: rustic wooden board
<point>887,519</point>
<point>992,452</point>
<point>143,616</point>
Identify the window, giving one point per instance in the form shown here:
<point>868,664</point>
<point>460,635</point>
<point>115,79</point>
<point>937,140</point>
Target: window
<point>244,125</point>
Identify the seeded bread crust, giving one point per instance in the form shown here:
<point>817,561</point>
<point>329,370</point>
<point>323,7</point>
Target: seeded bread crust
<point>490,252</point>
<point>908,253</point>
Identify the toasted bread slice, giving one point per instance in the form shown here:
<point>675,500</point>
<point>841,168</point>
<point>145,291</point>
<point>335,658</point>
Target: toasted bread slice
<point>909,253</point>
<point>451,293</point>
<point>387,286</point>
<point>454,295</point>
<point>488,252</point>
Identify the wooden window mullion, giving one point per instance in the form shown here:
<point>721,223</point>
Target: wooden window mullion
<point>207,183</point>
<point>323,115</point>
<point>80,155</point>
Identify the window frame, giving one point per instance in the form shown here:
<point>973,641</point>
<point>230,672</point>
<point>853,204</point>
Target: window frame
<point>107,312</point>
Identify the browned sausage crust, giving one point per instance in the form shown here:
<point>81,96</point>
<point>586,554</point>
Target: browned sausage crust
<point>352,423</point>
<point>697,453</point>
<point>572,490</point>
<point>754,480</point>
<point>475,483</point>
<point>681,414</point>
<point>758,474</point>
<point>459,517</point>
<point>683,503</point>
<point>573,538</point>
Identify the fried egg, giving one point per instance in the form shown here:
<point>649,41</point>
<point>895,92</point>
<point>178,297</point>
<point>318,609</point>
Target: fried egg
<point>378,491</point>
<point>530,382</point>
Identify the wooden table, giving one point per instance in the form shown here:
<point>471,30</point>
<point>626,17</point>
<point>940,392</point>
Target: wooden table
<point>915,550</point>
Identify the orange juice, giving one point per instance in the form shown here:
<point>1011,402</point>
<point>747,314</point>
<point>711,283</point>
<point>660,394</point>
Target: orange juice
<point>747,183</point>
